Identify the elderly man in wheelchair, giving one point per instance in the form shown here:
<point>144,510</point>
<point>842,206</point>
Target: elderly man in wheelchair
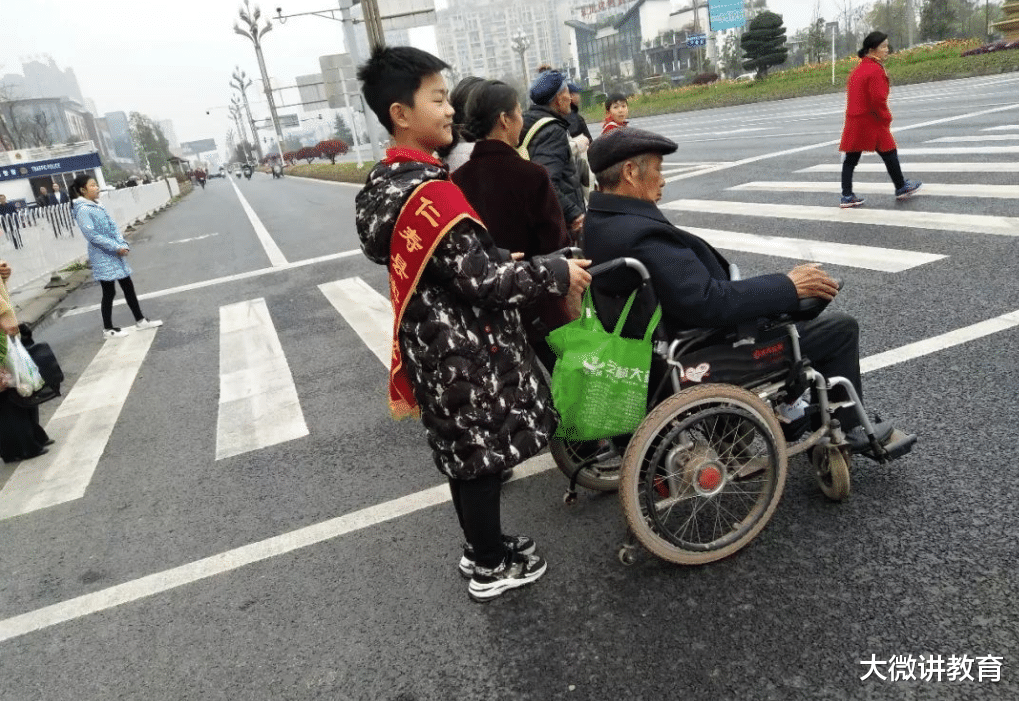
<point>745,373</point>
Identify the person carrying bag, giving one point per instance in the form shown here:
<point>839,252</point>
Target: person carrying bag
<point>600,381</point>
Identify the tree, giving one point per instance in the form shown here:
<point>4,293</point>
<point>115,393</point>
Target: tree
<point>729,60</point>
<point>151,145</point>
<point>308,153</point>
<point>893,18</point>
<point>764,44</point>
<point>814,41</point>
<point>937,20</point>
<point>340,130</point>
<point>289,157</point>
<point>331,148</point>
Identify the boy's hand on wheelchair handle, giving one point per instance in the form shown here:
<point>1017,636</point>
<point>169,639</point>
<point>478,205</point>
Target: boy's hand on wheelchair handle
<point>811,281</point>
<point>579,278</point>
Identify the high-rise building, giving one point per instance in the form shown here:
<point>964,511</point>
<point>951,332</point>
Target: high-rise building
<point>476,37</point>
<point>166,126</point>
<point>120,132</point>
<point>44,79</point>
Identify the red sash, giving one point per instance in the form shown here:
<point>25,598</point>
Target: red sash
<point>430,211</point>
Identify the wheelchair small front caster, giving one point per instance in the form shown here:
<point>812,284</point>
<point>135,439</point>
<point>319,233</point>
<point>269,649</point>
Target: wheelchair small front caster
<point>570,497</point>
<point>627,554</point>
<point>832,471</point>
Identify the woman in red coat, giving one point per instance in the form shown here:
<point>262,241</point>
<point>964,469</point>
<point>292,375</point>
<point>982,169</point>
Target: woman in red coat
<point>868,120</point>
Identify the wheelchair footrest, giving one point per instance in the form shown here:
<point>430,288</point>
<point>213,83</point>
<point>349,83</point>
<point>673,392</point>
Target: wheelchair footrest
<point>897,445</point>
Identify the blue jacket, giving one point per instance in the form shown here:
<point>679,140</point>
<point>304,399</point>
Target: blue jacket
<point>690,278</point>
<point>104,239</point>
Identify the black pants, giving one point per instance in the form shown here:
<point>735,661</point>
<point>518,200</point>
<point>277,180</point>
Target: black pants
<point>477,504</point>
<point>891,159</point>
<point>21,436</point>
<point>832,343</point>
<point>110,291</point>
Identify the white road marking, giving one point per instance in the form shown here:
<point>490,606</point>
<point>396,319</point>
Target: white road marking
<point>230,560</point>
<point>1002,127</point>
<point>193,238</point>
<point>800,149</point>
<point>81,426</point>
<point>276,257</point>
<point>957,150</point>
<point>973,137</point>
<point>258,402</point>
<point>368,313</point>
<point>887,260</point>
<point>957,223</point>
<point>922,167</point>
<point>223,280</point>
<point>886,188</point>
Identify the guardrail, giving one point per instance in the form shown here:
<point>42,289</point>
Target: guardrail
<point>38,241</point>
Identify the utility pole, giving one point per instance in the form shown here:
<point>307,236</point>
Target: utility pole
<point>254,33</point>
<point>348,40</point>
<point>242,82</point>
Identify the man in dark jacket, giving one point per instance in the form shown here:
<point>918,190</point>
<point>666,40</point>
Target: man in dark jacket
<point>692,280</point>
<point>549,146</point>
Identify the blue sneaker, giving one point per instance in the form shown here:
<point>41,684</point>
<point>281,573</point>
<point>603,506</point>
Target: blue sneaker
<point>851,201</point>
<point>907,189</point>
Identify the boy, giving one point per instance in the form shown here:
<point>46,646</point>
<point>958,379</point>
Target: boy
<point>617,112</point>
<point>460,358</point>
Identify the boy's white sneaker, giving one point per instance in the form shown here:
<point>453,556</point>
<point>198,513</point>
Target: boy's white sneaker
<point>115,332</point>
<point>147,324</point>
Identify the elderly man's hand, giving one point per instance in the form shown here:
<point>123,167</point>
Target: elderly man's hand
<point>5,270</point>
<point>811,281</point>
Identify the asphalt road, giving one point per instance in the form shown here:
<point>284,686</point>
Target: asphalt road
<point>101,597</point>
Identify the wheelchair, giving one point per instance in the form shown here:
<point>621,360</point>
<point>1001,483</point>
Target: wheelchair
<point>702,474</point>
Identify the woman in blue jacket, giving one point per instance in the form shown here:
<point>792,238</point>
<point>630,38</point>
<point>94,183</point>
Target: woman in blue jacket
<point>107,252</point>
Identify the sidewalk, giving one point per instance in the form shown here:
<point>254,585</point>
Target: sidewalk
<point>34,302</point>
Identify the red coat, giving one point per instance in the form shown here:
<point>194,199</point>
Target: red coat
<point>868,120</point>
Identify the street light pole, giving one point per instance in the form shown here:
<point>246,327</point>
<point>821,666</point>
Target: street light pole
<point>254,33</point>
<point>242,82</point>
<point>521,42</point>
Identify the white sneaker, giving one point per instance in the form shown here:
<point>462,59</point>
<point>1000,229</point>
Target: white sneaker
<point>147,324</point>
<point>116,332</point>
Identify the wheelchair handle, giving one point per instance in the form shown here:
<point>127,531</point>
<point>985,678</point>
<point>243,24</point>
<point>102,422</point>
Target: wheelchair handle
<point>617,263</point>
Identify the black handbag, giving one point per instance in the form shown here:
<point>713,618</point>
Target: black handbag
<point>51,373</point>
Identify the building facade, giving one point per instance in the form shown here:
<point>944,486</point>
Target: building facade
<point>476,37</point>
<point>120,132</point>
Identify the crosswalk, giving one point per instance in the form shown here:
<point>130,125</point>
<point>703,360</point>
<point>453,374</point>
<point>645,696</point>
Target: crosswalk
<point>259,402</point>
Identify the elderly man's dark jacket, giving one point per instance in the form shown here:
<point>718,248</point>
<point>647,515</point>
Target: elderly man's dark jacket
<point>690,278</point>
<point>550,148</point>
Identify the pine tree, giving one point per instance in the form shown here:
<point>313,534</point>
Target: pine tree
<point>937,20</point>
<point>341,130</point>
<point>764,44</point>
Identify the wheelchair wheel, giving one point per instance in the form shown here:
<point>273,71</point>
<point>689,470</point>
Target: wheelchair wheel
<point>832,471</point>
<point>703,474</point>
<point>600,461</point>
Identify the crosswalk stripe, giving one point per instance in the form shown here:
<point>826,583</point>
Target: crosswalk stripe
<point>887,260</point>
<point>81,426</point>
<point>1002,127</point>
<point>921,167</point>
<point>972,137</point>
<point>258,402</point>
<point>368,313</point>
<point>956,150</point>
<point>886,188</point>
<point>962,223</point>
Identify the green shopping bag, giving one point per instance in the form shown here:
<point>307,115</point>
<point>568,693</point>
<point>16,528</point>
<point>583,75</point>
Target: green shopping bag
<point>599,385</point>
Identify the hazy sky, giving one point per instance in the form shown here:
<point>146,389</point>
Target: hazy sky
<point>173,60</point>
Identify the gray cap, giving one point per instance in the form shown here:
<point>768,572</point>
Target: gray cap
<point>626,142</point>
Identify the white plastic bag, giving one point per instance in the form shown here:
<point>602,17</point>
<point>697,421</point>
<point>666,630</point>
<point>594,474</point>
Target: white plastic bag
<point>24,373</point>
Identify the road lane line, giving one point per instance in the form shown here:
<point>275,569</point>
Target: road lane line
<point>888,260</point>
<point>922,167</point>
<point>276,257</point>
<point>957,150</point>
<point>368,313</point>
<point>81,426</point>
<point>223,280</point>
<point>980,137</point>
<point>955,223</point>
<point>800,149</point>
<point>1008,192</point>
<point>230,560</point>
<point>1002,127</point>
<point>258,402</point>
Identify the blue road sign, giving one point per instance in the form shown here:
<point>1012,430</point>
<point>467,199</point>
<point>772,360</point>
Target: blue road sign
<point>697,40</point>
<point>725,14</point>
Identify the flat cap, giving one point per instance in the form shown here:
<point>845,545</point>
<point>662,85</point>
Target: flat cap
<point>626,142</point>
<point>546,86</point>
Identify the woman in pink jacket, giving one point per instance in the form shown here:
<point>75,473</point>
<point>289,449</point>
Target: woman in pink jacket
<point>868,120</point>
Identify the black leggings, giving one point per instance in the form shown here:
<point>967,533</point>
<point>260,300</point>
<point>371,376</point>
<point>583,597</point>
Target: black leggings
<point>478,509</point>
<point>110,291</point>
<point>891,159</point>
